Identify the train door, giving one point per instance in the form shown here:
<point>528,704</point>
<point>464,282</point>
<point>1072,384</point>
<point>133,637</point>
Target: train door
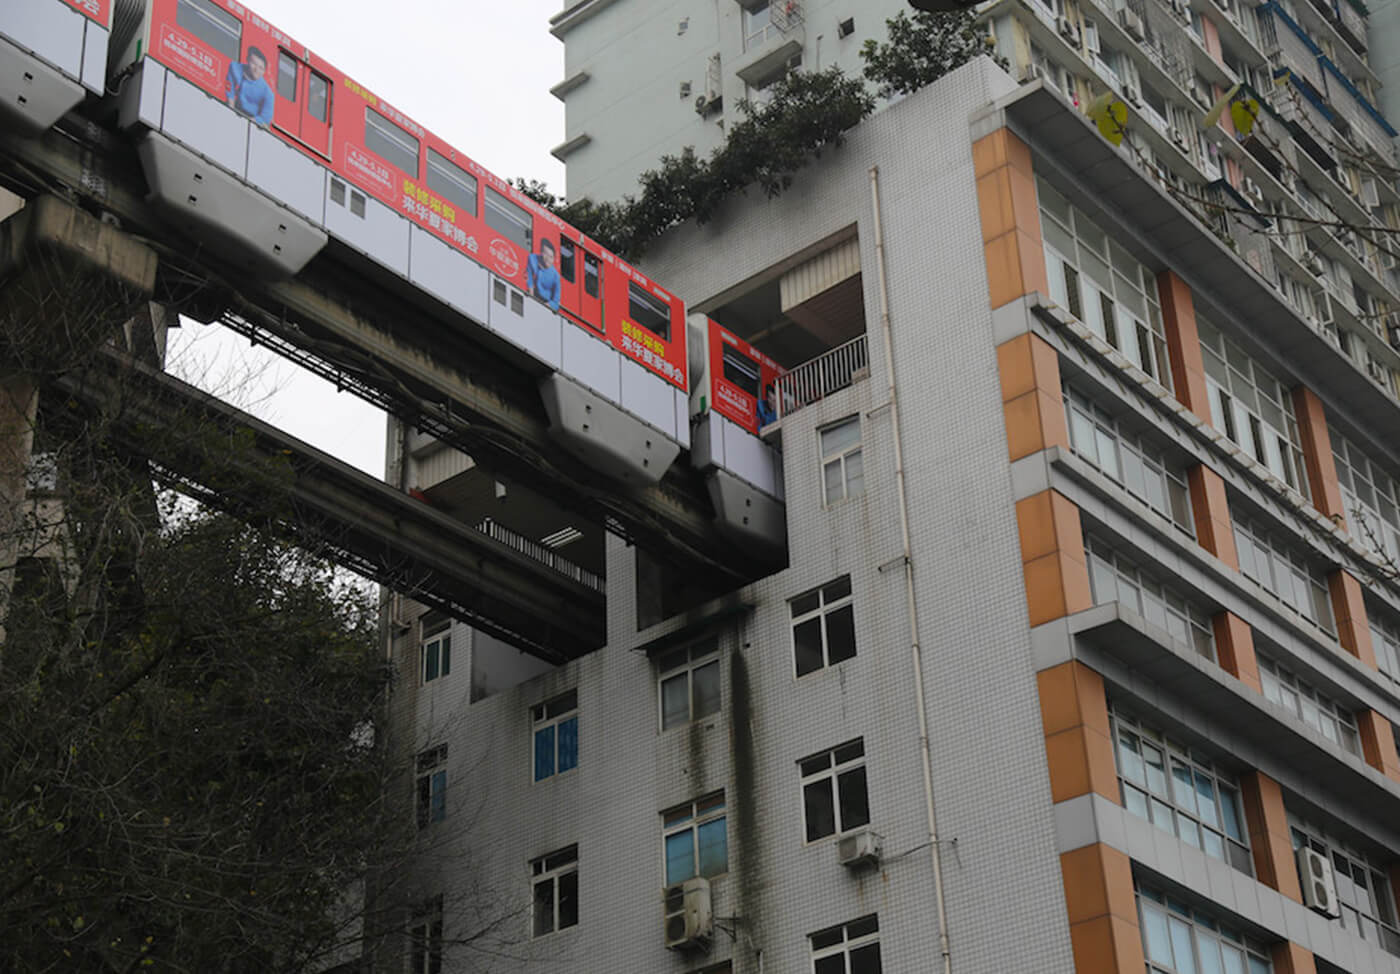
<point>581,280</point>
<point>303,102</point>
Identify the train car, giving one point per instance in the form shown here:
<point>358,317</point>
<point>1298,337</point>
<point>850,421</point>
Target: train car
<point>734,390</point>
<point>52,54</point>
<point>272,151</point>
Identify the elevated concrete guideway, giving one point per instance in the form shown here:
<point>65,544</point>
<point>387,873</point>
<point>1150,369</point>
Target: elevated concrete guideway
<point>251,469</point>
<point>389,345</point>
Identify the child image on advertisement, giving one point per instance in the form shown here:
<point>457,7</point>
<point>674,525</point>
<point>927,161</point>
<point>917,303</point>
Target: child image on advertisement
<point>540,276</point>
<point>248,92</point>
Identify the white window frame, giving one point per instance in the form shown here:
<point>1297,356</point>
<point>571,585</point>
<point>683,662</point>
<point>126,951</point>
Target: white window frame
<point>425,939</point>
<point>1113,577</point>
<point>1319,711</point>
<point>1382,930</point>
<point>690,817</point>
<point>829,771</point>
<point>854,935</point>
<point>435,646</point>
<point>829,601</point>
<point>551,869</point>
<point>1184,929</point>
<point>430,786</point>
<point>1374,520</point>
<point>843,457</point>
<point>553,714</point>
<point>685,663</point>
<point>1283,571</point>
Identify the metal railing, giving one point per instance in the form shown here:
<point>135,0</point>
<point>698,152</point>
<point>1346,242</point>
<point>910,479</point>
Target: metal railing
<point>816,379</point>
<point>542,554</point>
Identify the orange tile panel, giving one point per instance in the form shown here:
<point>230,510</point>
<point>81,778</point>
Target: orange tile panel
<point>1317,453</point>
<point>1234,646</point>
<point>1106,945</point>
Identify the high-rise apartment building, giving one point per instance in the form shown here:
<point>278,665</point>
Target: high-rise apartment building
<point>1086,654</point>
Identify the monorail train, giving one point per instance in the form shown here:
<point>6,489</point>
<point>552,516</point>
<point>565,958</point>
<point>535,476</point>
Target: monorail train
<point>266,152</point>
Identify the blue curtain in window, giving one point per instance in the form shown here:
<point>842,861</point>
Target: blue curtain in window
<point>544,752</point>
<point>680,856</point>
<point>568,744</point>
<point>714,848</point>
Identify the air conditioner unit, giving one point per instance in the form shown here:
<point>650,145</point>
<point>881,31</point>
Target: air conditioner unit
<point>1375,370</point>
<point>1313,264</point>
<point>688,919</point>
<point>1131,24</point>
<point>1201,94</point>
<point>1068,30</point>
<point>1179,137</point>
<point>859,848</point>
<point>708,104</point>
<point>1131,96</point>
<point>1392,335</point>
<point>1032,72</point>
<point>1252,190</point>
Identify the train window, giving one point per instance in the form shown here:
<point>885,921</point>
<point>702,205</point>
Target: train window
<point>389,142</point>
<point>591,270</point>
<point>452,182</point>
<point>337,192</point>
<point>740,370</point>
<point>318,97</point>
<point>286,76</point>
<point>647,310</point>
<point>507,219</point>
<point>568,257</point>
<point>216,27</point>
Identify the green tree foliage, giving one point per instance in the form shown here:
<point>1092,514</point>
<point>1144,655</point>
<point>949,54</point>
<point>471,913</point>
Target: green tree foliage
<point>921,49</point>
<point>805,113</point>
<point>188,779</point>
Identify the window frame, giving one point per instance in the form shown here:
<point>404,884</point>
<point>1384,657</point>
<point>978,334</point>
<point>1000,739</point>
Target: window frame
<point>554,868</point>
<point>425,939</point>
<point>396,137</point>
<point>827,607</point>
<point>1183,927</point>
<point>498,210</point>
<point>217,16</point>
<point>842,763</point>
<point>435,648</point>
<point>1159,603</point>
<point>1285,688</point>
<point>692,817</point>
<point>843,940</point>
<point>686,661</point>
<point>1386,931</point>
<point>1253,541</point>
<point>452,182</point>
<point>430,786</point>
<point>844,455</point>
<point>549,718</point>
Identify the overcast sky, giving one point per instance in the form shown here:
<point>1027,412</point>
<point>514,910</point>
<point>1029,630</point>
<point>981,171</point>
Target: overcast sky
<point>474,72</point>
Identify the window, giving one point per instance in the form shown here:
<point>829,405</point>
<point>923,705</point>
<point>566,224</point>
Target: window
<point>695,840</point>
<point>1135,463</point>
<point>648,311</point>
<point>1114,578</point>
<point>740,370</point>
<point>1179,790</point>
<point>843,471</point>
<point>689,684</point>
<point>432,785</point>
<point>318,97</point>
<point>834,790</point>
<point>508,219</point>
<point>555,890</point>
<point>556,735</point>
<point>425,938</point>
<point>1385,637</point>
<point>213,25</point>
<point>452,183</point>
<point>823,626</point>
<point>851,948</point>
<point>436,651</point>
<point>1180,940</point>
<point>390,143</point>
<point>1370,498</point>
<point>1319,711</point>
<point>1284,571</point>
<point>1103,285</point>
<point>758,24</point>
<point>1363,890</point>
<point>1251,407</point>
<point>286,76</point>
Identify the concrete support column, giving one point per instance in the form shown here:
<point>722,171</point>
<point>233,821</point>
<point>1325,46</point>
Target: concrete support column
<point>1103,917</point>
<point>1078,741</point>
<point>1006,200</point>
<point>1269,840</point>
<point>1317,454</point>
<point>1378,743</point>
<point>1211,510</point>
<point>1053,562</point>
<point>1349,612</point>
<point>1234,648</point>
<point>1033,402</point>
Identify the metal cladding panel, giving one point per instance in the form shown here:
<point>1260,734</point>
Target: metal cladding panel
<point>448,275</point>
<point>533,327</point>
<point>707,447</point>
<point>749,457</point>
<point>682,408</point>
<point>603,434</point>
<point>233,218</point>
<point>592,362</point>
<point>286,175</point>
<point>142,96</point>
<point>647,395</point>
<point>52,31</point>
<point>94,57</point>
<point>205,125</point>
<point>31,92</point>
<point>380,232</point>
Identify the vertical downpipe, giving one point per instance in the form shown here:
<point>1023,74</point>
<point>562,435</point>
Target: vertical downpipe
<point>911,607</point>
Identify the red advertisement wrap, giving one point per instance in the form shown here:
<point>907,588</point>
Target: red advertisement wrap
<point>386,154</point>
<point>99,11</point>
<point>740,377</point>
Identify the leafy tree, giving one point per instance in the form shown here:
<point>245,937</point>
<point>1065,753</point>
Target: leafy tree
<point>921,49</point>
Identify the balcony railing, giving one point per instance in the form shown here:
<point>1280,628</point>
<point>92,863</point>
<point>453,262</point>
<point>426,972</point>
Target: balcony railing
<point>816,379</point>
<point>542,554</point>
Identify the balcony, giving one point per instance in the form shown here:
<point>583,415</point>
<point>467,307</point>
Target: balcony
<point>814,380</point>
